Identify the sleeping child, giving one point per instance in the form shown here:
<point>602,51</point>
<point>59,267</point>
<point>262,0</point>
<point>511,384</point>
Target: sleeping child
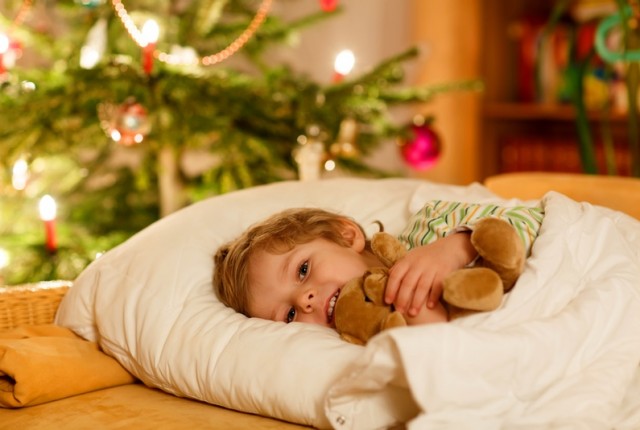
<point>291,266</point>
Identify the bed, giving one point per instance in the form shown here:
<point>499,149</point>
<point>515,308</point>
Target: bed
<point>562,351</point>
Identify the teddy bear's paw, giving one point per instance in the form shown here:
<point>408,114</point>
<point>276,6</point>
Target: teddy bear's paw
<point>500,249</point>
<point>394,319</point>
<point>476,288</point>
<point>455,312</point>
<point>387,248</point>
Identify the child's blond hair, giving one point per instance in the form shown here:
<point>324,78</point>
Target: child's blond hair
<point>277,234</point>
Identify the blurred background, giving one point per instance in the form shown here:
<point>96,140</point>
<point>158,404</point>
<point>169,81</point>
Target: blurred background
<point>114,113</point>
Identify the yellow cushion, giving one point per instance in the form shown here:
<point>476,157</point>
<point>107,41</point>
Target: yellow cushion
<point>42,363</point>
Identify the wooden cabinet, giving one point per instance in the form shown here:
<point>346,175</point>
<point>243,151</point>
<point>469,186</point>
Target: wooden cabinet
<point>528,134</point>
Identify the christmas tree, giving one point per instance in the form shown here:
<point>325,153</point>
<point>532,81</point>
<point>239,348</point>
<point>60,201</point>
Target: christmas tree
<point>122,112</point>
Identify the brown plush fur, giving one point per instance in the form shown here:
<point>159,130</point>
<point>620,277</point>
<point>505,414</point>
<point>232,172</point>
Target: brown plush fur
<point>361,313</point>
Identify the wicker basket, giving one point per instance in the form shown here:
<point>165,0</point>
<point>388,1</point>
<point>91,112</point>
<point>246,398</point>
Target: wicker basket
<point>31,304</point>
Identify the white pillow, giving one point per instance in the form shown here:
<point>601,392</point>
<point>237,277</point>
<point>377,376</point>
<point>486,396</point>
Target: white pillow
<point>149,302</point>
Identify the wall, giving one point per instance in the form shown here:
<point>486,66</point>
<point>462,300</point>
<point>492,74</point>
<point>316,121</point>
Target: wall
<point>452,30</point>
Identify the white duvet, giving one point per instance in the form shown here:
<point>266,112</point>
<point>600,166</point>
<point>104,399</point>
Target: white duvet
<point>562,352</point>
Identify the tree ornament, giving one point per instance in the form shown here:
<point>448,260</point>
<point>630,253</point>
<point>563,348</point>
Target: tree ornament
<point>127,124</point>
<point>95,45</point>
<point>345,145</point>
<point>328,5</point>
<point>422,150</point>
<point>309,154</point>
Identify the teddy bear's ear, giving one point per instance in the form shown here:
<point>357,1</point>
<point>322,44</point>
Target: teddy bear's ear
<point>387,248</point>
<point>375,281</point>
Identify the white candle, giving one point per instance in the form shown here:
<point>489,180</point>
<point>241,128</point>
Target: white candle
<point>48,209</point>
<point>345,60</point>
<point>4,262</point>
<point>4,47</point>
<point>20,174</point>
<point>150,34</point>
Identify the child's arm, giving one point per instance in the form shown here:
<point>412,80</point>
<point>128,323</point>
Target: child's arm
<point>417,277</point>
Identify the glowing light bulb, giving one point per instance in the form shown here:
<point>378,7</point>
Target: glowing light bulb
<point>343,65</point>
<point>48,208</point>
<point>4,43</point>
<point>20,174</point>
<point>4,48</point>
<point>4,258</point>
<point>89,57</point>
<point>150,32</point>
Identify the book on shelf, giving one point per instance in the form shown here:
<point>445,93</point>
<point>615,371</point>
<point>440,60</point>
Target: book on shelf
<point>547,60</point>
<point>555,154</point>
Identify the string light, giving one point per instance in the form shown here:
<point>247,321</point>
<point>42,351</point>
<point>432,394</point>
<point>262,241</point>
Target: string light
<point>22,13</point>
<point>128,23</point>
<point>208,60</point>
<point>140,39</point>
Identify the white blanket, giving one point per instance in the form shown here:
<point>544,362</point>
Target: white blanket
<point>563,351</point>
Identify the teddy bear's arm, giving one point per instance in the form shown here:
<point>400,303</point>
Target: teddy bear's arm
<point>394,319</point>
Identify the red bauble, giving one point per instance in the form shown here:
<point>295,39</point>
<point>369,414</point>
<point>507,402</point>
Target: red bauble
<point>328,5</point>
<point>130,123</point>
<point>423,150</point>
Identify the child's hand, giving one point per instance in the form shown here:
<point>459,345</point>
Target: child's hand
<point>417,278</point>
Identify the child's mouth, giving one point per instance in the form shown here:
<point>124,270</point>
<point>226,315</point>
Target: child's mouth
<point>332,305</point>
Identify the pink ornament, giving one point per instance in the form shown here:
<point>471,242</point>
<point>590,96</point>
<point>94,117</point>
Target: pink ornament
<point>328,5</point>
<point>422,152</point>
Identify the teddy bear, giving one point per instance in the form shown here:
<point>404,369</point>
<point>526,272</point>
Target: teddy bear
<point>360,311</point>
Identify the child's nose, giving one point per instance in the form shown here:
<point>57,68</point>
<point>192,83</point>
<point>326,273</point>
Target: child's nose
<point>306,299</point>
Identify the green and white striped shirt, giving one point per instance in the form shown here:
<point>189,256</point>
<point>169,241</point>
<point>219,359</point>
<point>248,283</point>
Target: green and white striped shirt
<point>438,218</point>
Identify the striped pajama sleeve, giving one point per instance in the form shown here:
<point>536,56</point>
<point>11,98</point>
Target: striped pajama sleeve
<point>439,218</point>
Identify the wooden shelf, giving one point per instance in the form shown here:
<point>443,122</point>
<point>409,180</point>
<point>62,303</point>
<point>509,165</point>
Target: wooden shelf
<point>542,136</point>
<point>537,112</point>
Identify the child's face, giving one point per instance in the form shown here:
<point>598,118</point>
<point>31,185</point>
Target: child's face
<point>303,284</point>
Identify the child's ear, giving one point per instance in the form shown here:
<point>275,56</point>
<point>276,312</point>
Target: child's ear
<point>354,236</point>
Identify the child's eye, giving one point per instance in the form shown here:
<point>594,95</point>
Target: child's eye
<point>291,315</point>
<point>303,270</point>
